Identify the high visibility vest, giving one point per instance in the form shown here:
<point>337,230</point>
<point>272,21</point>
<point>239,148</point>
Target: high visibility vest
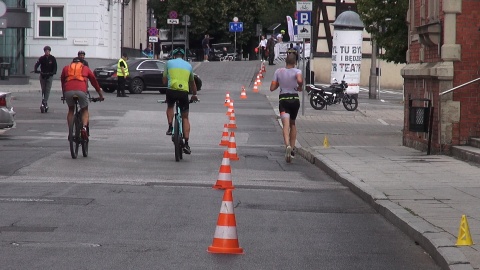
<point>119,70</point>
<point>75,72</point>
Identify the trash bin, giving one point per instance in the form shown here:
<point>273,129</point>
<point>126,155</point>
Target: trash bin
<point>419,117</point>
<point>4,70</point>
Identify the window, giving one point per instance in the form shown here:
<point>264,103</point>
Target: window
<point>147,65</point>
<point>50,21</point>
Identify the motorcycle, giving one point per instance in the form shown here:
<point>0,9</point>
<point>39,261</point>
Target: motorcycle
<point>321,96</point>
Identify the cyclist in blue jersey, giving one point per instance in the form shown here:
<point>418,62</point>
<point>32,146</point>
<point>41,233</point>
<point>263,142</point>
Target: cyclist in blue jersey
<point>179,76</point>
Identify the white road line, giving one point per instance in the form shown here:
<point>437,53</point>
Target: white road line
<point>383,122</point>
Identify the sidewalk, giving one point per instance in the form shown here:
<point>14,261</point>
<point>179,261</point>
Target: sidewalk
<point>423,195</point>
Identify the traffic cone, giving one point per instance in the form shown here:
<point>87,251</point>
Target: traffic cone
<point>255,87</point>
<point>464,237</point>
<point>263,68</point>
<point>260,73</point>
<point>227,99</point>
<point>225,138</point>
<point>259,82</point>
<point>325,142</point>
<point>231,122</point>
<point>224,180</point>
<point>225,239</point>
<point>229,110</point>
<point>232,147</point>
<point>243,94</point>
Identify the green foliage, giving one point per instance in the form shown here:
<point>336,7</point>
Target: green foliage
<point>213,17</point>
<point>386,21</point>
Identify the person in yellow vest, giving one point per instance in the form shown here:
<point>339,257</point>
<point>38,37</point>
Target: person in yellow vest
<point>122,74</point>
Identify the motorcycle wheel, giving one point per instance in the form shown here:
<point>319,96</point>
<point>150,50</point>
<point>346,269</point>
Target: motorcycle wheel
<point>350,102</point>
<point>317,102</point>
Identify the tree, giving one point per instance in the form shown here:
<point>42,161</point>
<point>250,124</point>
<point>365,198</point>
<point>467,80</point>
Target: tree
<point>385,20</point>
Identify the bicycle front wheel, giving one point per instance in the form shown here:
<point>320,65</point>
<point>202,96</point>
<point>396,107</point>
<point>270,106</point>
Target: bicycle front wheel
<point>177,140</point>
<point>74,138</point>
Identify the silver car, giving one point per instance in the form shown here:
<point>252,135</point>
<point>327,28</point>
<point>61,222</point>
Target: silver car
<point>7,114</point>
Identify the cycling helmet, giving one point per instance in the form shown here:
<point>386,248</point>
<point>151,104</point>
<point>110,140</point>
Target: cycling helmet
<point>282,31</point>
<point>47,48</point>
<point>178,51</point>
<point>81,52</point>
<point>76,59</point>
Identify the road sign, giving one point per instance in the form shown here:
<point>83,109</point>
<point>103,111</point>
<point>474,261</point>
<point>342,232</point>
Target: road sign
<point>173,21</point>
<point>304,31</point>
<point>186,18</point>
<point>235,27</point>
<point>304,5</point>
<point>153,31</point>
<point>3,8</point>
<point>152,39</point>
<point>172,14</point>
<point>304,18</point>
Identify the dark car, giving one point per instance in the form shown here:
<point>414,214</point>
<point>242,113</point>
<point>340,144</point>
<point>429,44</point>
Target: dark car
<point>145,74</point>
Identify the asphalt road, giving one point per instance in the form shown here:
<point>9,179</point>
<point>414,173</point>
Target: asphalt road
<point>129,205</point>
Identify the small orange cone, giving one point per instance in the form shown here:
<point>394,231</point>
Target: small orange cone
<point>255,87</point>
<point>224,180</point>
<point>260,73</point>
<point>232,147</point>
<point>225,138</point>
<point>225,239</point>
<point>227,99</point>
<point>259,82</point>
<point>232,122</point>
<point>243,94</point>
<point>263,68</point>
<point>229,110</point>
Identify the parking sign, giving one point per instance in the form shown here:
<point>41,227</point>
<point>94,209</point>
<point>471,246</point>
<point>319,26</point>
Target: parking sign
<point>304,18</point>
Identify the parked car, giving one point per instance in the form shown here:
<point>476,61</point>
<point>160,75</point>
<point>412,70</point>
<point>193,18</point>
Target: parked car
<point>145,74</point>
<point>7,114</point>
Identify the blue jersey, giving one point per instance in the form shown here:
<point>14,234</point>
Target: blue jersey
<point>179,73</point>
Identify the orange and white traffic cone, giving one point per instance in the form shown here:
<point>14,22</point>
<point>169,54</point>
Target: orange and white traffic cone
<point>263,68</point>
<point>232,121</point>
<point>243,94</point>
<point>260,73</point>
<point>227,99</point>
<point>224,180</point>
<point>232,147</point>
<point>255,87</point>
<point>225,239</point>
<point>259,82</point>
<point>230,108</point>
<point>225,138</point>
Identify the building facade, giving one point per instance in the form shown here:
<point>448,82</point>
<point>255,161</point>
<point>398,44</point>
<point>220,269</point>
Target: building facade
<point>93,26</point>
<point>443,67</point>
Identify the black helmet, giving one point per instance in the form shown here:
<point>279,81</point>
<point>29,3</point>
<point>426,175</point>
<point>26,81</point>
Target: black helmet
<point>47,48</point>
<point>76,59</point>
<point>81,52</point>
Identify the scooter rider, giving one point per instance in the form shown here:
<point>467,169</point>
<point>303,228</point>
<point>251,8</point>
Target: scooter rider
<point>48,68</point>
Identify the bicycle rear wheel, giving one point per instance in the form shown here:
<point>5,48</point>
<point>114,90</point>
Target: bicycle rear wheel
<point>177,140</point>
<point>74,134</point>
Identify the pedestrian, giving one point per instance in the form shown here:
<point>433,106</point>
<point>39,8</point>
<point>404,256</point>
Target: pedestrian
<point>81,56</point>
<point>74,80</point>
<point>48,68</point>
<point>290,81</point>
<point>148,51</point>
<point>122,75</point>
<point>291,50</point>
<point>262,46</point>
<point>271,50</point>
<point>178,76</point>
<point>206,47</point>
<point>280,36</point>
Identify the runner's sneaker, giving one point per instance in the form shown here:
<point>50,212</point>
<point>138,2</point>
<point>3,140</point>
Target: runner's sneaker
<point>84,133</point>
<point>186,149</point>
<point>169,131</point>
<point>288,154</point>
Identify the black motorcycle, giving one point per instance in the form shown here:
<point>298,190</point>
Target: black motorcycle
<point>321,96</point>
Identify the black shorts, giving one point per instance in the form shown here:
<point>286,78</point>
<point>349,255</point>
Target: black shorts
<point>289,104</point>
<point>174,95</point>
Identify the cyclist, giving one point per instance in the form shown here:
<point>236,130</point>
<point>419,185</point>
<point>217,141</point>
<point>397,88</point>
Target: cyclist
<point>48,68</point>
<point>81,55</point>
<point>74,83</point>
<point>179,76</point>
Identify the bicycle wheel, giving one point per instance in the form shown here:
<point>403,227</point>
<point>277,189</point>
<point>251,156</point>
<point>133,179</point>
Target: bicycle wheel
<point>177,140</point>
<point>350,102</point>
<point>74,133</point>
<point>85,146</point>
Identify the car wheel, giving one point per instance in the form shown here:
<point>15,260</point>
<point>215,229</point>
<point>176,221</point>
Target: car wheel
<point>137,86</point>
<point>108,89</point>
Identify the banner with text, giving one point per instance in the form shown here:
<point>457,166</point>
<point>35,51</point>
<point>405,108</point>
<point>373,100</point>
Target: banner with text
<point>347,58</point>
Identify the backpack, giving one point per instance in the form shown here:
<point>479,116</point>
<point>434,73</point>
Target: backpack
<point>75,72</point>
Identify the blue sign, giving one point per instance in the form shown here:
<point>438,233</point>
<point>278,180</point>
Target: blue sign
<point>304,18</point>
<point>235,27</point>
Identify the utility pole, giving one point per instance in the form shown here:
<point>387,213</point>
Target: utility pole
<point>372,85</point>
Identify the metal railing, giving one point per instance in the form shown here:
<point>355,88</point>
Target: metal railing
<point>457,87</point>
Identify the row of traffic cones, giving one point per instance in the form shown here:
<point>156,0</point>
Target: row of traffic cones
<point>225,239</point>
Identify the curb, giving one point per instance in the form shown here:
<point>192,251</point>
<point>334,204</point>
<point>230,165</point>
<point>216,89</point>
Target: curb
<point>435,242</point>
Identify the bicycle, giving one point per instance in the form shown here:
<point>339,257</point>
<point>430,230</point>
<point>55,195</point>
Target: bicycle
<point>74,130</point>
<point>177,133</point>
